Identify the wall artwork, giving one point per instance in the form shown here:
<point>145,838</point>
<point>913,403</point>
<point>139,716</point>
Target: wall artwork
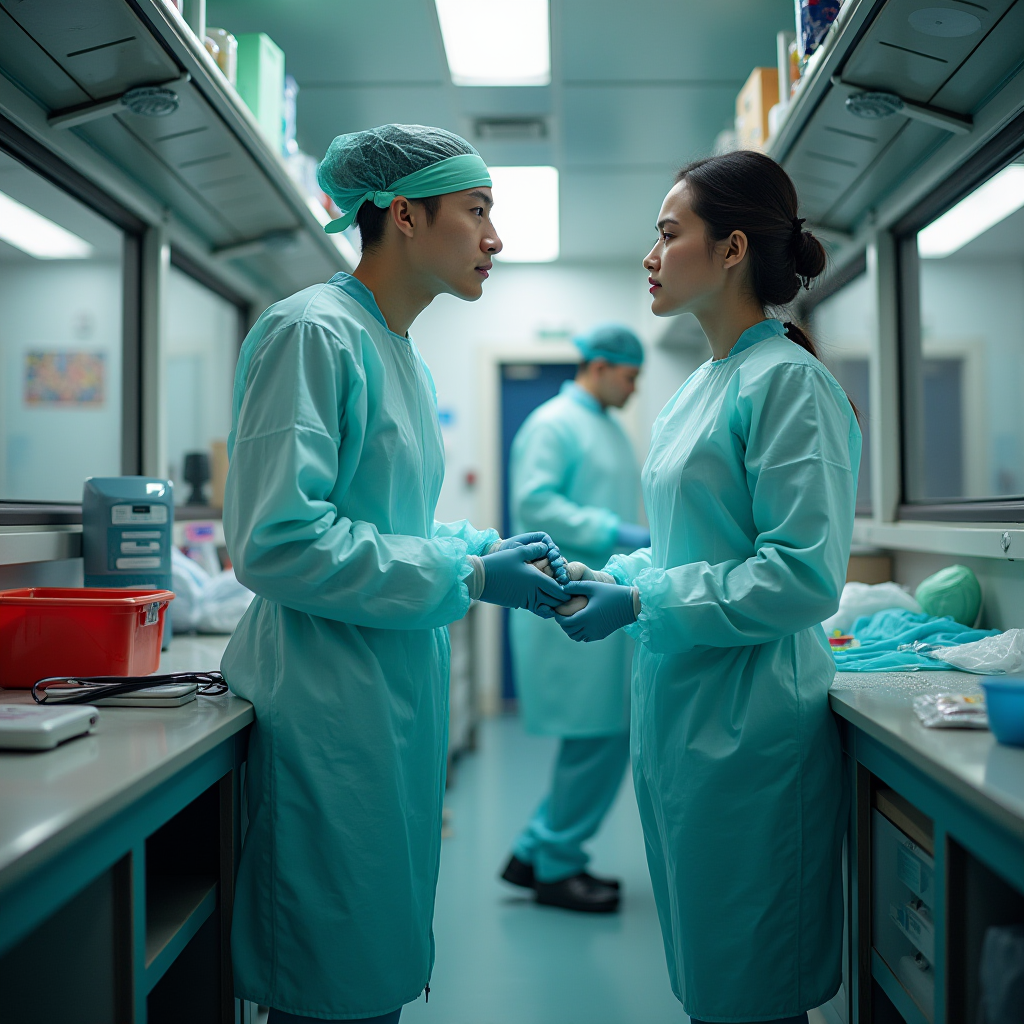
<point>65,378</point>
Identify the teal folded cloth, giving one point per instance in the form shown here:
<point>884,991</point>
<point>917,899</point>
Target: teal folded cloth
<point>882,633</point>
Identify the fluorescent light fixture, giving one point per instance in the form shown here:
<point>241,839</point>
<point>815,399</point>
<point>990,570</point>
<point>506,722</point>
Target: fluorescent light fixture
<point>526,213</point>
<point>31,232</point>
<point>496,42</point>
<point>985,207</point>
<point>34,234</point>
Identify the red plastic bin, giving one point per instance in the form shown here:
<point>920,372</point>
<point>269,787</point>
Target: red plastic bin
<point>83,631</point>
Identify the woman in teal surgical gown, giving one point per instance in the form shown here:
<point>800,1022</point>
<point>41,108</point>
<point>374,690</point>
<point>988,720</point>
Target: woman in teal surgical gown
<point>336,465</point>
<point>749,490</point>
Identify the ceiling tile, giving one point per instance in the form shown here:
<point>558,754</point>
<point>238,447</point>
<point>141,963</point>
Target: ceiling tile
<point>668,39</point>
<point>642,125</point>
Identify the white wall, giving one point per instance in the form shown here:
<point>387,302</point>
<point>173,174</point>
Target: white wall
<point>46,451</point>
<point>978,306</point>
<point>200,351</point>
<point>526,303</point>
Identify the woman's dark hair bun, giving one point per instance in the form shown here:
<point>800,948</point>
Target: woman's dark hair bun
<point>749,192</point>
<point>809,258</point>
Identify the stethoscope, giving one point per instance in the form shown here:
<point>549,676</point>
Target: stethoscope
<point>208,684</point>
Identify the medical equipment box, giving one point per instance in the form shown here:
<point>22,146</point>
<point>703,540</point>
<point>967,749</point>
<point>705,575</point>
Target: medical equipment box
<point>27,727</point>
<point>79,631</point>
<point>260,83</point>
<point>127,532</point>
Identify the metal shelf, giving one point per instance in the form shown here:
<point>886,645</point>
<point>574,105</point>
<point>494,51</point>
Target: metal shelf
<point>206,162</point>
<point>845,166</point>
<point>898,995</point>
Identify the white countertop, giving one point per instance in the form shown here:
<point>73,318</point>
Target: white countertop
<point>48,799</point>
<point>969,762</point>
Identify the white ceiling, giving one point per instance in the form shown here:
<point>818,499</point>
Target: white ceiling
<point>638,88</point>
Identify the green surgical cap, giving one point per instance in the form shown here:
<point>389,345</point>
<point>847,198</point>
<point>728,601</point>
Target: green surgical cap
<point>613,342</point>
<point>953,591</point>
<point>408,160</point>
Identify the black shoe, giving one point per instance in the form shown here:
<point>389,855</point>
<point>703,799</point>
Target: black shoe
<point>608,883</point>
<point>518,872</point>
<point>578,892</point>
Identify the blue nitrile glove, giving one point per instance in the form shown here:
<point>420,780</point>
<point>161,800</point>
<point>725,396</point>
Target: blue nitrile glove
<point>609,607</point>
<point>555,560</point>
<point>510,580</point>
<point>632,536</point>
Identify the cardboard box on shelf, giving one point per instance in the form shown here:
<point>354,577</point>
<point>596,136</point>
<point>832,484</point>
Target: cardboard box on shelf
<point>755,99</point>
<point>869,569</point>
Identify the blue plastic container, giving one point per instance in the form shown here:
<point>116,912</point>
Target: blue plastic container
<point>1004,700</point>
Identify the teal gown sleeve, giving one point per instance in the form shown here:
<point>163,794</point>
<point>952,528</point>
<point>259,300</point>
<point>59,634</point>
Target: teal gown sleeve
<point>798,466</point>
<point>542,466</point>
<point>294,456</point>
<point>478,542</point>
<point>626,568</point>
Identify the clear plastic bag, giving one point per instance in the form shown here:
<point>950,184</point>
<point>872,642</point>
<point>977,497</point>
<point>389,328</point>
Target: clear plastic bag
<point>952,710</point>
<point>992,656</point>
<point>860,599</point>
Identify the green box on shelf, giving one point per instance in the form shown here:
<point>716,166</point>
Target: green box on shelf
<point>261,83</point>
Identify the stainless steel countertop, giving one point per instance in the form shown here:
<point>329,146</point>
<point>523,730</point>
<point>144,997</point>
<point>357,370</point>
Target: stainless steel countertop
<point>51,798</point>
<point>985,774</point>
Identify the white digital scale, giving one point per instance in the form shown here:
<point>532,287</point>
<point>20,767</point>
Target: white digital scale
<point>33,727</point>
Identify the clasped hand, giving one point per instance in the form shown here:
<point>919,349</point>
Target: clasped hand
<point>528,571</point>
<point>513,581</point>
<point>609,606</point>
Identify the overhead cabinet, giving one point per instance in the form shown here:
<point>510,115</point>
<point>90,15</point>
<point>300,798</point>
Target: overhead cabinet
<point>944,59</point>
<point>205,160</point>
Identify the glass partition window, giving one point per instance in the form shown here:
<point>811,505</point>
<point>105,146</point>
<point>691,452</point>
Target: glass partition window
<point>201,347</point>
<point>845,327</point>
<point>61,304</point>
<point>963,354</point>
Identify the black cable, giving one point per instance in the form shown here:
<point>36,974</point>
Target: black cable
<point>208,684</point>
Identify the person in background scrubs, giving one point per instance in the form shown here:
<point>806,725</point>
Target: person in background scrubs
<point>573,474</point>
<point>336,462</point>
<point>749,489</point>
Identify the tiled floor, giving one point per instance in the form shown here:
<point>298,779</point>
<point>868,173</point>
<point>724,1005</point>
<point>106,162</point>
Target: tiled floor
<point>503,960</point>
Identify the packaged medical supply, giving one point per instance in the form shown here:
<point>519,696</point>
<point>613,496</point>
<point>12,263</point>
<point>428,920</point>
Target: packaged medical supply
<point>813,20</point>
<point>952,710</point>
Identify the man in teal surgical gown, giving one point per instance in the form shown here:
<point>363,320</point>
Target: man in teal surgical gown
<point>573,474</point>
<point>336,465</point>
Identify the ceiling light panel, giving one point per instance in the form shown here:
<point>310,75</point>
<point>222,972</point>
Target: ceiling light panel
<point>33,233</point>
<point>985,207</point>
<point>526,213</point>
<point>496,42</point>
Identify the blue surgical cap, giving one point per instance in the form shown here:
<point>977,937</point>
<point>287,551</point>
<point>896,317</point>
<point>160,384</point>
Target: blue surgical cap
<point>417,160</point>
<point>613,342</point>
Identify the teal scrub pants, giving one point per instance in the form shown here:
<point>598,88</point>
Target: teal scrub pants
<point>800,1018</point>
<point>280,1017</point>
<point>586,778</point>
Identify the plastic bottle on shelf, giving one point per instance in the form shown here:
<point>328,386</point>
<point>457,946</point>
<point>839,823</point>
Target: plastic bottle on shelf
<point>227,52</point>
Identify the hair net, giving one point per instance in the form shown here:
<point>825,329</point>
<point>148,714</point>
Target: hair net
<point>413,159</point>
<point>613,342</point>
